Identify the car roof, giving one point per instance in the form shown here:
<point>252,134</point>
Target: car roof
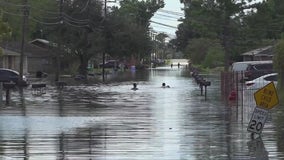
<point>241,66</point>
<point>264,63</point>
<point>10,70</point>
<point>266,75</point>
<point>253,62</point>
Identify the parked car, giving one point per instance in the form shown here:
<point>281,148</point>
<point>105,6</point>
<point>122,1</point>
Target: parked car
<point>262,81</point>
<point>239,68</point>
<point>110,64</point>
<point>9,75</point>
<point>254,71</point>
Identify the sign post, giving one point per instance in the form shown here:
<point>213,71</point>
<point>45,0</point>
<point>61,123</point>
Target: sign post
<point>266,98</point>
<point>257,121</point>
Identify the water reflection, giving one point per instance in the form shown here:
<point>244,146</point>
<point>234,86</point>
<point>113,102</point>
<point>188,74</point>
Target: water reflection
<point>111,121</point>
<point>257,150</point>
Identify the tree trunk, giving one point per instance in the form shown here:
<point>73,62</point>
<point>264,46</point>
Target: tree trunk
<point>225,40</point>
<point>281,80</point>
<point>83,66</point>
<point>280,86</point>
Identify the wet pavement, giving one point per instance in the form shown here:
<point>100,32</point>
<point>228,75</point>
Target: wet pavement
<point>112,122</point>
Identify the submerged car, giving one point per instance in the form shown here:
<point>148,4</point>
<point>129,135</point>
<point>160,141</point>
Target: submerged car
<point>9,75</point>
<point>262,81</point>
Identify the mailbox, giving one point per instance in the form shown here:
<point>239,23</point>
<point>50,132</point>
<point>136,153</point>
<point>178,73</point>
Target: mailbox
<point>207,83</point>
<point>9,85</point>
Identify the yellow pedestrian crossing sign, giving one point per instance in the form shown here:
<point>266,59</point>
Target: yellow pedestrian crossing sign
<point>266,97</point>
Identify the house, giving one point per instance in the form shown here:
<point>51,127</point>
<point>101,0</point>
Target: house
<point>11,59</point>
<point>260,54</point>
<point>40,56</point>
<point>35,58</point>
<point>51,57</point>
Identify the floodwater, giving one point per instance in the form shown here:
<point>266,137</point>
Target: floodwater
<point>112,122</point>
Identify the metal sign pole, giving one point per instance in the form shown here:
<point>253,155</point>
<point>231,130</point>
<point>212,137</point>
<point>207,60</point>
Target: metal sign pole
<point>1,95</point>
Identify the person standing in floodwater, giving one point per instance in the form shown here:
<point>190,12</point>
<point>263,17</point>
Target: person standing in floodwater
<point>134,87</point>
<point>178,64</point>
<point>171,65</point>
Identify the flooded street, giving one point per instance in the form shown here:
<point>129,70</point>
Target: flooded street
<point>112,122</point>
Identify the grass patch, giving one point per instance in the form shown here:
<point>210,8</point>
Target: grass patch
<point>202,69</point>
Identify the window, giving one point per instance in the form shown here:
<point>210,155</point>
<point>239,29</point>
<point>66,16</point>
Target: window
<point>264,66</point>
<point>271,78</point>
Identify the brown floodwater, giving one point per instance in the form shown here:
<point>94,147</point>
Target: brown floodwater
<point>109,121</point>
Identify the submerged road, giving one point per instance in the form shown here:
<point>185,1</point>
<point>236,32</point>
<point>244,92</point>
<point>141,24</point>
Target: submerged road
<point>112,122</point>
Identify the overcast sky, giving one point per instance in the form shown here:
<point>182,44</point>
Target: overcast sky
<point>168,17</point>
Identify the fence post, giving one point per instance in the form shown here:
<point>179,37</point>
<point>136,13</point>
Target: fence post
<point>7,96</point>
<point>1,89</point>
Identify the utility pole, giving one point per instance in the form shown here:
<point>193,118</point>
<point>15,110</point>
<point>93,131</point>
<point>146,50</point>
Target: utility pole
<point>106,36</point>
<point>24,24</point>
<point>59,45</point>
<point>226,40</point>
<point>105,26</point>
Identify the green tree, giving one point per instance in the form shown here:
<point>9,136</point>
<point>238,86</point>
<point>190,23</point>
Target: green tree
<point>161,44</point>
<point>214,57</point>
<point>5,32</point>
<point>40,13</point>
<point>140,11</point>
<point>221,19</point>
<point>10,11</point>
<point>204,51</point>
<point>128,28</point>
<point>197,49</point>
<point>80,32</point>
<point>279,65</point>
<point>126,38</point>
<point>79,26</point>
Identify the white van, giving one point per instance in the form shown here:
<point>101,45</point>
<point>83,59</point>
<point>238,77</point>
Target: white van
<point>242,66</point>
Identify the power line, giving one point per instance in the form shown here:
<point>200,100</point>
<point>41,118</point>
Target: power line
<point>171,12</point>
<point>86,6</point>
<point>12,4</point>
<point>162,24</point>
<point>163,15</point>
<point>74,19</point>
<point>13,14</point>
<point>159,26</point>
<point>68,21</point>
<point>45,11</point>
<point>45,23</point>
<point>71,21</point>
<point>63,14</point>
<point>159,18</point>
<point>64,18</point>
<point>75,25</point>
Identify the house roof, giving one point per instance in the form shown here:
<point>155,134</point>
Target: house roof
<point>42,43</point>
<point>10,53</point>
<point>265,51</point>
<point>30,49</point>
